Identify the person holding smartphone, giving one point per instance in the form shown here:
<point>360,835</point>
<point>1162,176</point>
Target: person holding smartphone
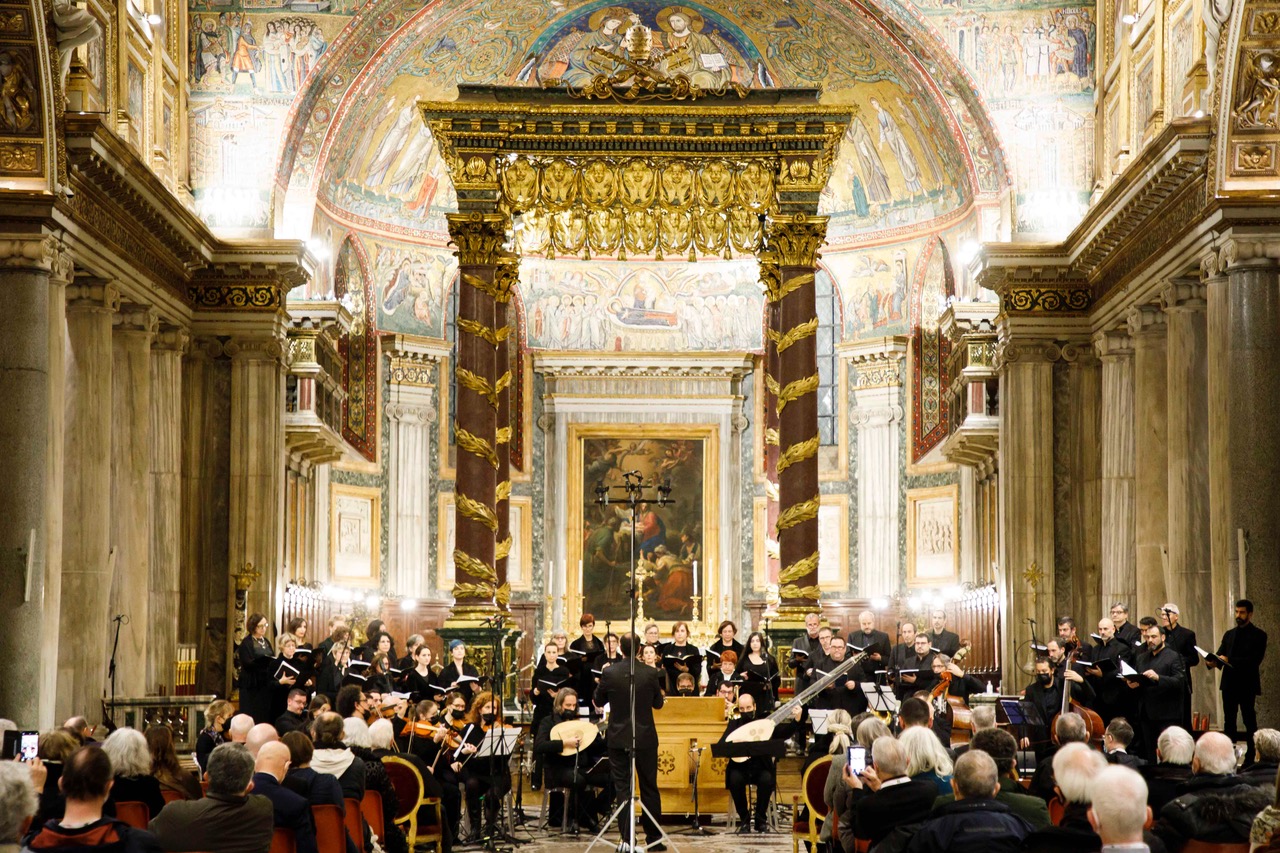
<point>884,796</point>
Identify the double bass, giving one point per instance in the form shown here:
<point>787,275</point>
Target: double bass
<point>1092,721</point>
<point>961,714</point>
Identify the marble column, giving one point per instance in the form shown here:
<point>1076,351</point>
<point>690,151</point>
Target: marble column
<point>167,349</point>
<point>1151,458</point>
<point>130,491</point>
<point>795,243</point>
<point>1025,497</point>
<point>479,238</point>
<point>411,415</point>
<point>1253,378</point>
<point>87,564</point>
<point>1224,575</point>
<point>1079,453</point>
<point>1119,566</point>
<point>1190,572</point>
<point>256,534</point>
<point>26,264</point>
<point>878,417</point>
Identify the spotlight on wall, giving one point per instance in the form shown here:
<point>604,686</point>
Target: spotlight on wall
<point>319,250</point>
<point>154,20</point>
<point>372,601</point>
<point>1130,19</point>
<point>968,251</point>
<point>879,603</point>
<point>409,605</point>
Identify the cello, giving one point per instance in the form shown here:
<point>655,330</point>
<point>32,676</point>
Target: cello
<point>1092,721</point>
<point>961,714</point>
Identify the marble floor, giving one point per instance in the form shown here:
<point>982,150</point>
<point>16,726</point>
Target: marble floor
<point>720,838</point>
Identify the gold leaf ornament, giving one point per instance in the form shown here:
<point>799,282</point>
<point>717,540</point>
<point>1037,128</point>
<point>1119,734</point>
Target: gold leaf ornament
<point>799,569</point>
<point>520,184</point>
<point>476,446</point>
<point>795,390</point>
<point>797,453</point>
<point>474,567</point>
<point>798,513</point>
<point>794,334</point>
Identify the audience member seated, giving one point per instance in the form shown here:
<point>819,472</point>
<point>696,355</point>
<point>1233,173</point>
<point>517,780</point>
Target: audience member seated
<point>838,828</point>
<point>870,730</point>
<point>228,819</point>
<point>915,711</point>
<point>86,784</point>
<point>358,741</point>
<point>260,734</point>
<point>1067,728</point>
<point>1115,743</point>
<point>1119,810</point>
<point>927,758</point>
<point>131,764</point>
<point>1174,750</point>
<point>980,718</point>
<point>319,789</point>
<point>165,766</point>
<point>1263,771</point>
<point>238,729</point>
<point>1075,766</point>
<point>334,758</point>
<point>217,718</point>
<point>382,736</point>
<point>294,718</point>
<point>351,702</point>
<point>55,748</point>
<point>291,810</point>
<point>1003,749</point>
<point>18,801</point>
<point>976,822</point>
<point>80,730</point>
<point>1213,805</point>
<point>884,796</point>
<point>1265,835</point>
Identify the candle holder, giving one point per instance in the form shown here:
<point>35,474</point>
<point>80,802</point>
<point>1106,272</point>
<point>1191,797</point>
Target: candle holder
<point>696,601</point>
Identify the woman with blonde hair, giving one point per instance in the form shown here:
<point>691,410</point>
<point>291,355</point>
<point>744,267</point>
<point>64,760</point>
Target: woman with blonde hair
<point>836,794</point>
<point>926,758</point>
<point>216,718</point>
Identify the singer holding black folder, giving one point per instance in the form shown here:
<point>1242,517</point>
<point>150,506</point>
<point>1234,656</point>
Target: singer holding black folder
<point>257,664</point>
<point>758,674</point>
<point>727,641</point>
<point>548,678</point>
<point>681,656</point>
<point>418,681</point>
<point>457,674</point>
<point>1159,681</point>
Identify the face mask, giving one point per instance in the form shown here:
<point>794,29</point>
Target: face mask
<point>746,715</point>
<point>488,718</point>
<point>685,692</point>
<point>1044,677</point>
<point>458,715</point>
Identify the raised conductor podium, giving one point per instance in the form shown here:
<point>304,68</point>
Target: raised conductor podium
<point>681,721</point>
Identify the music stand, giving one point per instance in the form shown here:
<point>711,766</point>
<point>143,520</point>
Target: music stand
<point>1021,713</point>
<point>878,700</point>
<point>818,717</point>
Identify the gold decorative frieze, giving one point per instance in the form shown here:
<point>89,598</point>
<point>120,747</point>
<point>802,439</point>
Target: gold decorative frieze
<point>1254,99</point>
<point>240,296</point>
<point>1047,300</point>
<point>20,158</point>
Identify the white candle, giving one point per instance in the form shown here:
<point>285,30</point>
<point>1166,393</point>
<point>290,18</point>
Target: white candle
<point>695,577</point>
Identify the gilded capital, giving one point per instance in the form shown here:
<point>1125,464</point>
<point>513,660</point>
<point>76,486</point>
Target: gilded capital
<point>506,275</point>
<point>796,241</point>
<point>478,236</point>
<point>770,276</point>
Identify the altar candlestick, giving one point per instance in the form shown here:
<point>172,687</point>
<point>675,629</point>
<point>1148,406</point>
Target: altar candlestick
<point>695,577</point>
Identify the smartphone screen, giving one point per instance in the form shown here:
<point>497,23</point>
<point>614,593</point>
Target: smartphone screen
<point>857,758</point>
<point>29,746</point>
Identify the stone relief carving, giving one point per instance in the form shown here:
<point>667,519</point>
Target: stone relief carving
<point>1216,13</point>
<point>75,27</point>
<point>1259,91</point>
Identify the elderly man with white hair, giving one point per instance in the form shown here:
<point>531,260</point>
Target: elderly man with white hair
<point>1119,810</point>
<point>883,795</point>
<point>1262,772</point>
<point>1075,766</point>
<point>1174,750</point>
<point>239,727</point>
<point>1215,806</point>
<point>976,822</point>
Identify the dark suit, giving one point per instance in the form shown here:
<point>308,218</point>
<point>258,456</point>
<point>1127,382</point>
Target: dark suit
<point>1161,701</point>
<point>877,642</point>
<point>226,824</point>
<point>1183,641</point>
<point>757,770</point>
<point>1048,701</point>
<point>1129,634</point>
<point>1113,698</point>
<point>947,642</point>
<point>1241,685</point>
<point>615,691</point>
<point>292,811</point>
<point>877,813</point>
<point>1123,758</point>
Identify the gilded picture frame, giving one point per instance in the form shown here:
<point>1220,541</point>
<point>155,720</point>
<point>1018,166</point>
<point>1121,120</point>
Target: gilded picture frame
<point>933,547</point>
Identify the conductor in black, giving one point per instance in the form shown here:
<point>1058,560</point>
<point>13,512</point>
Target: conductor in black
<point>614,690</point>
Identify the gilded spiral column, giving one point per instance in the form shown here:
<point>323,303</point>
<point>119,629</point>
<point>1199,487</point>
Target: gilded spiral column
<point>769,279</point>
<point>479,238</point>
<point>506,276</point>
<point>794,242</point>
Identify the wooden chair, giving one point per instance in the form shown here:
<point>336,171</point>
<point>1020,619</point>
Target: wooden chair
<point>331,833</point>
<point>133,813</point>
<point>1057,808</point>
<point>354,822</point>
<point>410,791</point>
<point>283,841</point>
<point>371,811</point>
<point>861,845</point>
<point>812,786</point>
<point>171,796</point>
<point>1194,846</point>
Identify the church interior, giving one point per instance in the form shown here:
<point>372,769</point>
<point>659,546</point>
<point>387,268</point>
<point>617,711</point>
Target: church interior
<point>475,317</point>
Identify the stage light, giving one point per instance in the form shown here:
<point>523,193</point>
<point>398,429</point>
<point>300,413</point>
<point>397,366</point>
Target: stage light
<point>409,605</point>
<point>879,603</point>
<point>372,601</point>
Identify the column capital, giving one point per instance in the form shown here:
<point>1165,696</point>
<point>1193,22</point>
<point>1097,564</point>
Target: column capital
<point>479,237</point>
<point>876,363</point>
<point>253,348</point>
<point>135,319</point>
<point>411,414</point>
<point>38,252</point>
<point>91,295</point>
<point>1245,251</point>
<point>1113,344</point>
<point>1183,295</point>
<point>1145,320</point>
<point>172,338</point>
<point>876,416</point>
<point>795,240</point>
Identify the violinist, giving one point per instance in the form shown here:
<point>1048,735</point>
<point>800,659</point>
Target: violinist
<point>457,674</point>
<point>570,771</point>
<point>386,744</point>
<point>951,681</point>
<point>758,674</point>
<point>418,680</point>
<point>548,678</point>
<point>681,656</point>
<point>444,740</point>
<point>485,779</point>
<point>723,674</point>
<point>1046,694</point>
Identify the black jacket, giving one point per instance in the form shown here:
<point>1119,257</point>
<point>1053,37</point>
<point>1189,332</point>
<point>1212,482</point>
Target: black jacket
<point>1244,648</point>
<point>615,689</point>
<point>223,823</point>
<point>291,722</point>
<point>1162,700</point>
<point>292,811</point>
<point>318,789</point>
<point>1108,688</point>
<point>1260,773</point>
<point>1133,762</point>
<point>971,826</point>
<point>947,642</point>
<point>1074,834</point>
<point>1164,782</point>
<point>135,789</point>
<point>1129,634</point>
<point>107,835</point>
<point>877,813</point>
<point>1211,808</point>
<point>1183,641</point>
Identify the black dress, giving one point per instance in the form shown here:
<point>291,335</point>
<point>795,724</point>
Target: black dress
<point>586,657</point>
<point>448,677</point>
<point>760,680</point>
<point>718,648</point>
<point>419,686</point>
<point>689,656</point>
<point>257,667</point>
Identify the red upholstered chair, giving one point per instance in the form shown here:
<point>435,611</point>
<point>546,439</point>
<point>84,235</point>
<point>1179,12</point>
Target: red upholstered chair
<point>812,785</point>
<point>283,841</point>
<point>414,806</point>
<point>331,834</point>
<point>171,796</point>
<point>861,845</point>
<point>133,813</point>
<point>355,822</point>
<point>1194,846</point>
<point>371,811</point>
<point>1057,808</point>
